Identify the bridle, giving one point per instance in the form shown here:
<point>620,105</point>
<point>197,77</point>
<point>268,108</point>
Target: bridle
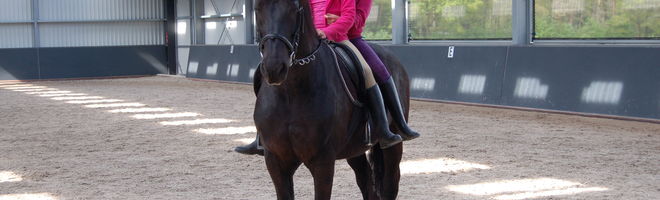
<point>292,46</point>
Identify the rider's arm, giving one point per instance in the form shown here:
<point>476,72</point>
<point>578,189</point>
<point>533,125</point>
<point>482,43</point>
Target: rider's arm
<point>339,29</point>
<point>362,8</point>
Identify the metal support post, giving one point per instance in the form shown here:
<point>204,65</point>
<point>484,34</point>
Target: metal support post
<point>399,22</point>
<point>522,20</point>
<point>36,35</point>
<point>198,23</point>
<point>248,13</point>
<point>36,38</point>
<point>170,24</point>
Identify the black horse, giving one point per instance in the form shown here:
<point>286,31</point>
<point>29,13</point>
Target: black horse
<point>304,115</point>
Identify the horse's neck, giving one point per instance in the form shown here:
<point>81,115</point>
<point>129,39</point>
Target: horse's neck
<point>307,80</point>
<point>308,38</point>
<point>314,78</point>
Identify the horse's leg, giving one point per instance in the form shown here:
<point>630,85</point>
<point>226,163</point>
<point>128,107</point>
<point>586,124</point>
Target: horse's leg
<point>322,169</point>
<point>363,176</point>
<point>281,171</point>
<point>391,172</point>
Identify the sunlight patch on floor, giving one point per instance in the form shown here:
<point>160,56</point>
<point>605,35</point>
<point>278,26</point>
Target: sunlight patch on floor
<point>196,122</point>
<point>228,130</point>
<point>165,115</point>
<point>63,95</point>
<point>139,110</point>
<point>50,92</point>
<point>95,101</point>
<point>560,192</point>
<point>244,140</point>
<point>76,98</point>
<point>25,87</point>
<point>34,196</point>
<point>438,165</point>
<point>36,90</point>
<point>114,105</point>
<point>6,176</point>
<point>524,188</point>
<point>15,85</point>
<point>11,83</point>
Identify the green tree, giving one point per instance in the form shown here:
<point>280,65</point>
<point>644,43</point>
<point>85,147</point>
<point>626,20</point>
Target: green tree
<point>553,19</point>
<point>460,19</point>
<point>381,27</point>
<point>599,19</point>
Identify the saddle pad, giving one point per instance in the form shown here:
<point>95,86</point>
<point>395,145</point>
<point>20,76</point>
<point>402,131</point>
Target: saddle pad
<point>351,69</point>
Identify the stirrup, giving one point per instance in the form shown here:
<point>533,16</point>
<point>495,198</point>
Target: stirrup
<point>259,147</point>
<point>367,135</point>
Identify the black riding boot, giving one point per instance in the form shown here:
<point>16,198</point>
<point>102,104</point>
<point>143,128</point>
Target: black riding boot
<point>251,149</point>
<point>394,106</point>
<point>379,118</point>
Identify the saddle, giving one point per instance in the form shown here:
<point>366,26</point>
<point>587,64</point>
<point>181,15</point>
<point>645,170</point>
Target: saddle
<point>352,75</point>
<point>351,71</point>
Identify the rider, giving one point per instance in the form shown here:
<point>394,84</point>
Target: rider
<point>338,32</point>
<point>383,77</point>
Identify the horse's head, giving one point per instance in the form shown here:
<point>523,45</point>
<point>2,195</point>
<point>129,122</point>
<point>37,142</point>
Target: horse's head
<point>278,25</point>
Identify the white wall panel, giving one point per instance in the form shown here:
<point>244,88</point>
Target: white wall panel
<point>183,32</point>
<point>224,31</point>
<point>101,34</point>
<point>16,35</point>
<point>15,10</point>
<point>223,6</point>
<point>183,8</point>
<point>54,10</point>
<point>220,31</point>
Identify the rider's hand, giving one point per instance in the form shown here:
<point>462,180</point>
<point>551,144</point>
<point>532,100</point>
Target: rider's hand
<point>331,18</point>
<point>321,33</point>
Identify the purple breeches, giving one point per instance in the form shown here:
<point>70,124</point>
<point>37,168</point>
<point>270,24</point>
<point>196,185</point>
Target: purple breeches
<point>380,72</point>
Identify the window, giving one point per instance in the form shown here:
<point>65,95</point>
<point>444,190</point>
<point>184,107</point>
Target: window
<point>379,22</point>
<point>597,19</point>
<point>225,23</point>
<point>460,19</point>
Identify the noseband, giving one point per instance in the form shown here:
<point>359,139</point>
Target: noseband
<point>292,46</point>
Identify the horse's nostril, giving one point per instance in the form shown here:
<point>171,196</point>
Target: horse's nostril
<point>276,73</point>
<point>284,69</point>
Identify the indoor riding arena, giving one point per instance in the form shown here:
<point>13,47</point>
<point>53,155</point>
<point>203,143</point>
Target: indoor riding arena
<point>147,99</point>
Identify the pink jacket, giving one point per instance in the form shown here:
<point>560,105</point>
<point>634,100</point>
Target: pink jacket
<point>363,7</point>
<point>337,31</point>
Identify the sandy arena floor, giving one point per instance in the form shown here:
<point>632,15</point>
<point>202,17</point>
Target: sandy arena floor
<point>172,138</point>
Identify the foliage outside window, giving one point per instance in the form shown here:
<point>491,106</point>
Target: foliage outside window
<point>597,19</point>
<point>460,19</point>
<point>379,23</point>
